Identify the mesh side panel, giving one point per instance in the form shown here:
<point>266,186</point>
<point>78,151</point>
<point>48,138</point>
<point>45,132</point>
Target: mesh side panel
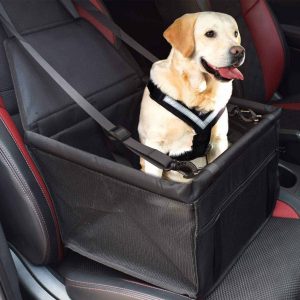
<point>132,230</point>
<point>269,269</point>
<point>235,226</point>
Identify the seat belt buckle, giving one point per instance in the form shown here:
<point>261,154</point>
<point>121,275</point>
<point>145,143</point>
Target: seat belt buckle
<point>119,133</point>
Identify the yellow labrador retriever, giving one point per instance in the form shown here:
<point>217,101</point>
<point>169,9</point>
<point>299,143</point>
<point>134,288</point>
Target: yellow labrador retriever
<point>195,79</point>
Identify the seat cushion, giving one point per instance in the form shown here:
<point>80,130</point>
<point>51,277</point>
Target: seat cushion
<point>86,279</point>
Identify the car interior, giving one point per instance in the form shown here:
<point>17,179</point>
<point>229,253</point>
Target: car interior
<point>35,261</point>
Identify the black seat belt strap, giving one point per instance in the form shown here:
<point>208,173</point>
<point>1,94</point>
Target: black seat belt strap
<point>115,29</point>
<point>154,156</point>
<point>69,6</point>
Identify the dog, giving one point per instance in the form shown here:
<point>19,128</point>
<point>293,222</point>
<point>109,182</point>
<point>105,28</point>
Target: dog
<point>198,74</point>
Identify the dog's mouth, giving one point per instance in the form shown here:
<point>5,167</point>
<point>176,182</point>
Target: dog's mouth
<point>223,73</point>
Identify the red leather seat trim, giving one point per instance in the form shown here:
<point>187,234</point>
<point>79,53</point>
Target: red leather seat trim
<point>247,5</point>
<point>15,135</point>
<point>98,25</point>
<point>283,210</point>
<point>267,42</point>
<point>289,106</point>
<point>99,6</point>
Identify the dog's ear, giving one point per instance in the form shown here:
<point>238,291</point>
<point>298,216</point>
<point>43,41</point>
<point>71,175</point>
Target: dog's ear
<point>180,34</point>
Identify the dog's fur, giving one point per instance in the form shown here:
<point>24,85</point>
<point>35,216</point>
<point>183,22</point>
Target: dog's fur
<point>183,77</point>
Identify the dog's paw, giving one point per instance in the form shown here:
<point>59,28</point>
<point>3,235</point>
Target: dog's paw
<point>151,169</point>
<point>217,148</point>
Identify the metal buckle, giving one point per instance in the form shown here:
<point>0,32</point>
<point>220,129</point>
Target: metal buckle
<point>120,133</point>
<point>248,115</point>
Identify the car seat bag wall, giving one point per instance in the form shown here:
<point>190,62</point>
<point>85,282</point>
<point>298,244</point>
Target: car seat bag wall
<point>180,237</point>
<point>134,223</point>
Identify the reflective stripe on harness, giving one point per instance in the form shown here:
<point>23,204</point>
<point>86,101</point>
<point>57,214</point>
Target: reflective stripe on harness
<point>202,123</point>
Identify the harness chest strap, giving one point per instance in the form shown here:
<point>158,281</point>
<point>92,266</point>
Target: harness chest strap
<point>202,123</point>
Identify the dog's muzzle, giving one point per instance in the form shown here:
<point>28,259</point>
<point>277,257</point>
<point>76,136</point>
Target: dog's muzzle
<point>238,55</point>
<point>226,73</point>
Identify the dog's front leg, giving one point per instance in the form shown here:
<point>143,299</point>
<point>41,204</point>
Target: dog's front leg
<point>150,169</point>
<point>219,140</point>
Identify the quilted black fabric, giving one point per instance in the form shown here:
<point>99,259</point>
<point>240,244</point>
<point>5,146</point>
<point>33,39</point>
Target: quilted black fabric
<point>270,267</point>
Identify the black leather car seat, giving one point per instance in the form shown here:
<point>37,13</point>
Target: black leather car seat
<point>27,211</point>
<point>35,231</point>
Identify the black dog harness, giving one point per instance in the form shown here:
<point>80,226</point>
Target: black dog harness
<point>202,123</point>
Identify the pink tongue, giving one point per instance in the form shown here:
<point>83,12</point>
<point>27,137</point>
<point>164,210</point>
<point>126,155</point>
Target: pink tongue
<point>231,73</point>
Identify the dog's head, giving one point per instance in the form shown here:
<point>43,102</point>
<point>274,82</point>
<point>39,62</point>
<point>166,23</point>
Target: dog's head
<point>211,40</point>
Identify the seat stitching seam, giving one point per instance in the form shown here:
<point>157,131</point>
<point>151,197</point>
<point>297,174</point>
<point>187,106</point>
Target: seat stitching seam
<point>42,190</point>
<point>24,186</point>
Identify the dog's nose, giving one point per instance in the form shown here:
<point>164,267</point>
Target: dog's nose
<point>237,51</point>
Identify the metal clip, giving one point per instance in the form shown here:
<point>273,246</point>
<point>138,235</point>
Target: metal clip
<point>186,168</point>
<point>248,115</point>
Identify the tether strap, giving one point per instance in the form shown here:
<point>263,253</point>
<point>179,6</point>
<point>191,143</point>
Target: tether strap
<point>154,156</point>
<point>69,6</point>
<point>114,28</point>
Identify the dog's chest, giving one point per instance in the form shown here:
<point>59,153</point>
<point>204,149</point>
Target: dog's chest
<point>183,143</point>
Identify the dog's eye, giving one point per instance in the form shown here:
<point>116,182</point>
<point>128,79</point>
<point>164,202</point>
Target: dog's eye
<point>210,34</point>
<point>236,33</point>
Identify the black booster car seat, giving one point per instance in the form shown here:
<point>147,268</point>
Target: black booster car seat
<point>181,238</point>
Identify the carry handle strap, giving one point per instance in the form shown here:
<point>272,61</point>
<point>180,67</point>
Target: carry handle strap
<point>121,134</point>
